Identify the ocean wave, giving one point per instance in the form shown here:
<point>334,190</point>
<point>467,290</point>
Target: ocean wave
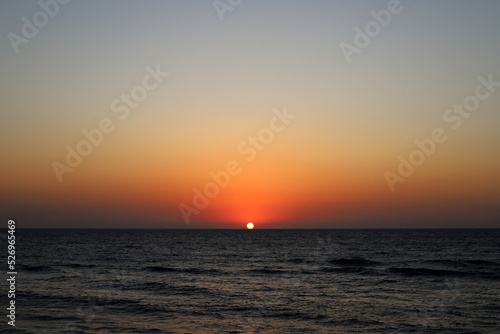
<point>444,262</point>
<point>46,317</point>
<point>298,260</point>
<point>149,286</point>
<point>78,265</point>
<point>116,303</point>
<point>24,267</point>
<point>354,261</point>
<point>35,297</point>
<point>428,272</point>
<point>160,269</point>
<point>266,271</point>
<point>465,263</point>
<point>346,270</point>
<point>482,262</point>
<point>197,271</point>
<point>202,271</point>
<point>356,322</point>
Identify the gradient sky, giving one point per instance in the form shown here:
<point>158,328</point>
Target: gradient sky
<point>325,170</point>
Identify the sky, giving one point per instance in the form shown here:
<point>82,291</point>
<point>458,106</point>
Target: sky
<point>211,114</point>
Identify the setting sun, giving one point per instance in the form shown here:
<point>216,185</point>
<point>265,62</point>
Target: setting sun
<point>250,226</point>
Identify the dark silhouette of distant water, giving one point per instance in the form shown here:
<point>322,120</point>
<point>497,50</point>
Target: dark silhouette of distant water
<point>259,281</point>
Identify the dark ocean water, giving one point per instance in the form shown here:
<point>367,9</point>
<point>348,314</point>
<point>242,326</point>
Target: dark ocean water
<point>259,281</point>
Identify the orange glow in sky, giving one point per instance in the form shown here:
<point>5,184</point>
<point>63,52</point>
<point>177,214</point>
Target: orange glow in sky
<point>311,135</point>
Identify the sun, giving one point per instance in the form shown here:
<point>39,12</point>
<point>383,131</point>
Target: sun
<point>250,226</point>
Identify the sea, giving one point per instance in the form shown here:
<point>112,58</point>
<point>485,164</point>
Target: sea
<point>256,281</point>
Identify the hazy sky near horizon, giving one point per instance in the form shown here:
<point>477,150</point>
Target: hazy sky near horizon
<point>326,168</point>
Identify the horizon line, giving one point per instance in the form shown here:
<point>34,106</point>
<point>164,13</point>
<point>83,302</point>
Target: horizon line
<point>257,229</point>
